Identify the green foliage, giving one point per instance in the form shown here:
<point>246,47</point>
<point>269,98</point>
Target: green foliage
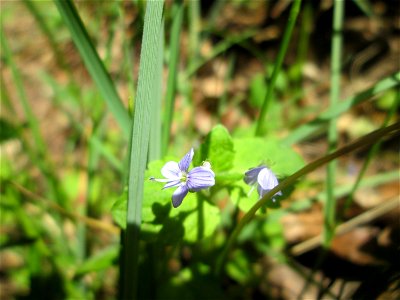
<point>198,217</point>
<point>99,261</point>
<point>66,165</point>
<point>217,149</point>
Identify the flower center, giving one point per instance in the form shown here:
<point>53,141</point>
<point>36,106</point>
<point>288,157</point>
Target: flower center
<point>183,176</point>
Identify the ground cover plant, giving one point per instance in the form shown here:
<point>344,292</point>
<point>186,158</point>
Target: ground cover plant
<point>200,150</point>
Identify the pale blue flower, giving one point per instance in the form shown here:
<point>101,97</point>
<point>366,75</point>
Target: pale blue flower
<point>177,175</point>
<point>264,178</point>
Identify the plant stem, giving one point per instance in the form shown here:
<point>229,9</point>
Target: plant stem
<point>329,207</point>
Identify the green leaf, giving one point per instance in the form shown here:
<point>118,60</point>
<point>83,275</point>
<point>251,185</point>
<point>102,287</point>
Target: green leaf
<point>239,267</point>
<point>158,216</point>
<point>251,152</point>
<point>99,261</point>
<point>201,221</point>
<point>118,211</point>
<point>217,149</point>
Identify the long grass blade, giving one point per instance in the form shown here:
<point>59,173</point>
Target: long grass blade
<point>93,63</point>
<point>140,142</point>
<point>318,123</point>
<point>174,50</point>
<point>155,150</point>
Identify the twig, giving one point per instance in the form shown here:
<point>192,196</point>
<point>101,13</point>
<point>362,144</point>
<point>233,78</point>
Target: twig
<point>93,223</point>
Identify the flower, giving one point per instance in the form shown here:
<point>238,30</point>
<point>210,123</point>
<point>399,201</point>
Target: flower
<point>177,175</point>
<point>264,178</point>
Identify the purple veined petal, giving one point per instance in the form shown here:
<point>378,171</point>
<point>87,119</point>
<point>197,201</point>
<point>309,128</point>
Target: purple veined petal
<point>262,192</point>
<point>200,178</point>
<point>186,160</point>
<point>171,170</point>
<point>179,194</point>
<point>266,179</point>
<point>172,183</point>
<point>250,177</point>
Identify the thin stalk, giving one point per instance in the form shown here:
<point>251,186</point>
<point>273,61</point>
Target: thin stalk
<point>149,56</point>
<point>278,65</point>
<point>31,118</point>
<point>51,204</point>
<point>391,131</point>
<point>329,207</point>
<point>364,218</point>
<point>39,18</point>
<point>194,30</point>
<point>39,154</point>
<point>222,103</point>
<point>304,42</point>
<point>174,50</point>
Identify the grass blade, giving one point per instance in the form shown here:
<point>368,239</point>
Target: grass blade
<point>174,50</point>
<point>93,63</point>
<point>155,149</point>
<point>311,127</point>
<point>374,150</point>
<point>278,65</point>
<point>140,142</point>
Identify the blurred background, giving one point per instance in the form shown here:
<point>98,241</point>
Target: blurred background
<point>63,155</point>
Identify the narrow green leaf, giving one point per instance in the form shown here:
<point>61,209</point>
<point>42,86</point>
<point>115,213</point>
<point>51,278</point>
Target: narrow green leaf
<point>174,51</point>
<point>149,56</point>
<point>93,63</point>
<point>278,65</point>
<point>313,126</point>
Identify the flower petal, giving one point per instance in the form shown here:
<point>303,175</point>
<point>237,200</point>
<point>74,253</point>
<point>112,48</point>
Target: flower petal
<point>200,178</point>
<point>186,160</point>
<point>266,179</point>
<point>172,183</point>
<point>179,194</point>
<point>171,171</point>
<point>250,177</point>
<point>262,192</point>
